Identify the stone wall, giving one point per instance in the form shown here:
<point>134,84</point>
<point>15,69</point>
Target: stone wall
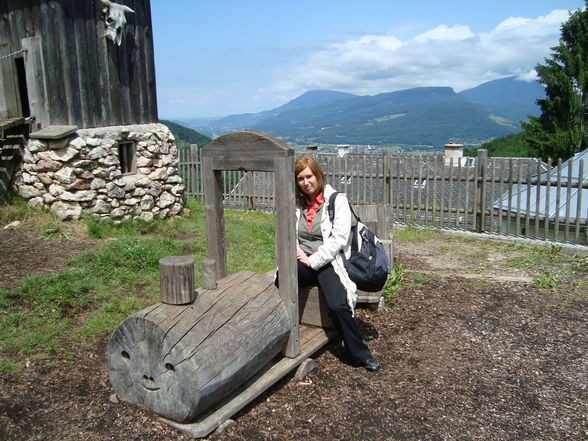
<point>82,174</point>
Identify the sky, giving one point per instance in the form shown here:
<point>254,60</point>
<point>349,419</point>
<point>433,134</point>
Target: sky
<point>216,58</point>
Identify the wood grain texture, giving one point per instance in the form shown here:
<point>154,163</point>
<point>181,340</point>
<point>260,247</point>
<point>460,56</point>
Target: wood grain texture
<point>255,151</point>
<point>176,280</point>
<point>178,361</point>
<point>208,275</point>
<point>88,81</point>
<point>313,308</point>
<point>311,340</point>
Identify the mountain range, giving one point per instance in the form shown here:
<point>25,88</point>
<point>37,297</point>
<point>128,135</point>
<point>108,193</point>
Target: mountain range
<point>424,116</point>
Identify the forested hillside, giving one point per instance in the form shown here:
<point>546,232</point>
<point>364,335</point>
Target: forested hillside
<point>506,147</point>
<point>185,136</point>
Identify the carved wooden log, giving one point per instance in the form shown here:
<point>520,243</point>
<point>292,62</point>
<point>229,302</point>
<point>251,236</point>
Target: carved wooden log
<point>177,361</point>
<point>176,280</point>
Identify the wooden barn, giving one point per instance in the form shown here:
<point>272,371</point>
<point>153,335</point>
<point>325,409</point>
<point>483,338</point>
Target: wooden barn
<point>78,109</point>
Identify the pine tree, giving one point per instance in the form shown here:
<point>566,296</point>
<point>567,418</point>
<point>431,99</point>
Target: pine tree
<point>561,130</point>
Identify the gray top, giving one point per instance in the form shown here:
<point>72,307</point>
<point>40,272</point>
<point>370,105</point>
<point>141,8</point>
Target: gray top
<point>310,241</point>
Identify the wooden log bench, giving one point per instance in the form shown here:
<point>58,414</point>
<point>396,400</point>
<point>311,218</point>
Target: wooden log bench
<point>178,360</point>
<point>313,307</point>
<point>196,359</point>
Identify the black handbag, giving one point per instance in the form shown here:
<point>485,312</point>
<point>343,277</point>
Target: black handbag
<point>368,265</point>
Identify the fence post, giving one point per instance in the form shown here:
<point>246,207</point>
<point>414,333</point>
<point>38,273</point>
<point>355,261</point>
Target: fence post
<point>194,170</point>
<point>481,171</point>
<point>387,178</point>
<point>250,190</point>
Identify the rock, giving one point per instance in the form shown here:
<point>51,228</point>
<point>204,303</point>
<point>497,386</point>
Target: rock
<point>48,165</point>
<point>28,192</point>
<point>66,175</point>
<point>13,225</point>
<point>159,174</point>
<point>78,143</point>
<point>101,207</point>
<point>64,210</point>
<point>146,216</point>
<point>97,184</point>
<point>79,196</point>
<point>165,200</point>
<point>97,153</point>
<point>142,161</point>
<point>147,203</point>
<point>114,191</point>
<point>36,202</point>
<point>78,184</point>
<point>56,190</point>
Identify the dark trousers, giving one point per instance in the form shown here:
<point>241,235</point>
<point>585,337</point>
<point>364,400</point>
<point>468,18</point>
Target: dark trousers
<point>336,296</point>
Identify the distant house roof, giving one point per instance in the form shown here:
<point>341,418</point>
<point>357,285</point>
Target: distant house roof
<point>544,199</point>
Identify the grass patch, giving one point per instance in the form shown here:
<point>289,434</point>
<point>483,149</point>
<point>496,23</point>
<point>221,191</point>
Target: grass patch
<point>116,279</point>
<point>393,285</point>
<point>412,233</point>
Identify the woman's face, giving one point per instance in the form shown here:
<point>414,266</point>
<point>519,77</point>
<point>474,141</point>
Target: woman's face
<point>306,180</point>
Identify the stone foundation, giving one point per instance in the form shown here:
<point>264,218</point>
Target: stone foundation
<point>82,174</point>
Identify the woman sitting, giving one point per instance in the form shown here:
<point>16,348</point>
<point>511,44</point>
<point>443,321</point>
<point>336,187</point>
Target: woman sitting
<point>320,261</point>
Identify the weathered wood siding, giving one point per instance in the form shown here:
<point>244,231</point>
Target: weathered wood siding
<point>88,81</point>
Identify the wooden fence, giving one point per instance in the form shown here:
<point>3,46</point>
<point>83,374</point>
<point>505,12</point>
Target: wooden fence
<point>513,196</point>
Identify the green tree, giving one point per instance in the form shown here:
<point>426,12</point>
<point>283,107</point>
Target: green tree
<point>561,129</point>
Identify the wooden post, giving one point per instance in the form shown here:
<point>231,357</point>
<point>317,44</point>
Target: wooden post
<point>208,274</point>
<point>387,177</point>
<point>482,164</point>
<point>176,280</point>
<point>250,190</point>
<point>286,251</point>
<point>255,151</point>
<point>215,221</point>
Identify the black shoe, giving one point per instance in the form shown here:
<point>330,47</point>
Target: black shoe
<point>371,364</point>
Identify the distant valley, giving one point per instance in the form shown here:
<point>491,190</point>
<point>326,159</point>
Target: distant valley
<point>425,116</point>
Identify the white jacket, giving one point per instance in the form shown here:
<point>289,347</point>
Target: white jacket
<point>335,237</point>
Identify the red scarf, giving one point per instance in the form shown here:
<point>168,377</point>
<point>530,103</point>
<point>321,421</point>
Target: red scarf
<point>312,209</point>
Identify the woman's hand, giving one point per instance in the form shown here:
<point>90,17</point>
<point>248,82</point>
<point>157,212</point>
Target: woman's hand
<point>302,257</point>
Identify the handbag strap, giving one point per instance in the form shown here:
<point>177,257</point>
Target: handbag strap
<point>331,209</point>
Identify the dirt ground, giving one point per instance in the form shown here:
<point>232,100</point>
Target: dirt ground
<point>471,349</point>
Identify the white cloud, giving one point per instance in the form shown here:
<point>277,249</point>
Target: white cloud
<point>444,56</point>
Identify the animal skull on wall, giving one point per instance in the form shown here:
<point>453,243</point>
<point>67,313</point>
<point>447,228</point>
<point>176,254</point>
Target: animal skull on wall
<point>115,20</point>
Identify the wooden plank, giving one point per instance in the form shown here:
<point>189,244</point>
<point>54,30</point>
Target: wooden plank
<point>213,207</point>
<point>557,198</point>
<point>314,310</point>
<point>149,65</point>
<point>55,57</point>
<point>286,245</point>
<point>568,201</point>
<point>519,197</point>
<point>36,80</point>
<point>313,338</point>
<point>9,104</point>
<point>579,203</point>
<point>547,201</point>
<point>53,132</point>
<point>537,199</point>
